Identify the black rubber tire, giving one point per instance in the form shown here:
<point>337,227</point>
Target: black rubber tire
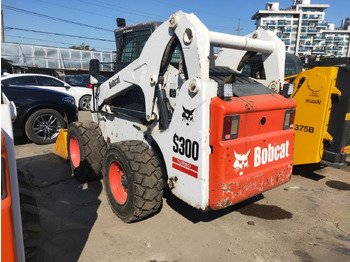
<point>30,217</point>
<point>92,149</point>
<point>142,178</point>
<point>84,102</point>
<point>38,120</point>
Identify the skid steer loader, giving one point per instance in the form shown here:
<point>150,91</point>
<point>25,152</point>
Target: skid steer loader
<point>171,118</point>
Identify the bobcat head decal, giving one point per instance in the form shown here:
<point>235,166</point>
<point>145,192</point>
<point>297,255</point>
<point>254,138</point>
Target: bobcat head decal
<point>241,162</point>
<point>187,115</point>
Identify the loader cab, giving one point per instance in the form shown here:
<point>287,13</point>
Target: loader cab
<point>130,41</point>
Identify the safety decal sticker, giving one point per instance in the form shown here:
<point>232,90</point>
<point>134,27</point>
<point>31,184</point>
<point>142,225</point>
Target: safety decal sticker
<point>185,167</point>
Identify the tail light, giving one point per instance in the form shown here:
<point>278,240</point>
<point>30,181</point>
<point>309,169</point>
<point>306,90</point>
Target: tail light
<point>289,119</point>
<point>231,125</point>
<point>89,86</point>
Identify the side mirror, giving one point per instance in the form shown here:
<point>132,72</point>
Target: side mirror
<point>94,71</point>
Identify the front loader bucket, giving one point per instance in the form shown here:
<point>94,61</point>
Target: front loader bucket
<point>60,148</point>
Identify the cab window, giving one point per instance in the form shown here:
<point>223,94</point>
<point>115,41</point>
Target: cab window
<point>23,80</point>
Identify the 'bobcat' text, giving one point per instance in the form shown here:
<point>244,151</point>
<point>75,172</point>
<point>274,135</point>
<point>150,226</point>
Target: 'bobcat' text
<point>270,154</point>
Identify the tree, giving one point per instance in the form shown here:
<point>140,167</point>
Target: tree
<point>82,47</point>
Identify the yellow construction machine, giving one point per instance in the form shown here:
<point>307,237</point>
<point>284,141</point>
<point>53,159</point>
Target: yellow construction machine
<point>322,120</point>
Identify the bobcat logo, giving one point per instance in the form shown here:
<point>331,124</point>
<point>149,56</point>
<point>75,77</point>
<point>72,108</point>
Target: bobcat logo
<point>241,162</point>
<point>187,115</point>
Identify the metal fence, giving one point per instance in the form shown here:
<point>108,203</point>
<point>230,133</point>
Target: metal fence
<point>54,57</point>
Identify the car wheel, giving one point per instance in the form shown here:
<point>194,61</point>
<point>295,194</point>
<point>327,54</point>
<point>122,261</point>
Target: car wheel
<point>84,103</point>
<point>43,126</point>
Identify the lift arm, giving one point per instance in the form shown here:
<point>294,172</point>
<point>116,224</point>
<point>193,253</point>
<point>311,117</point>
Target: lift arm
<point>195,40</point>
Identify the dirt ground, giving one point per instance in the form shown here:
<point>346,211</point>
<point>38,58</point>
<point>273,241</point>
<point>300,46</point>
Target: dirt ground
<point>307,219</point>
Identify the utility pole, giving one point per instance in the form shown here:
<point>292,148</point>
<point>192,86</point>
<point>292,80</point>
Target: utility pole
<point>239,28</point>
<point>2,27</point>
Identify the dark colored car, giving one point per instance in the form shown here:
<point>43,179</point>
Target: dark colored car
<point>83,80</point>
<point>81,95</point>
<point>41,113</point>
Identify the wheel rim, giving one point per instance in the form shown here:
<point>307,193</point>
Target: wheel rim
<point>85,103</point>
<point>46,127</point>
<point>74,151</point>
<point>118,182</point>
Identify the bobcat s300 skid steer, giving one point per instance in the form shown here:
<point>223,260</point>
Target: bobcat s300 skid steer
<point>170,118</point>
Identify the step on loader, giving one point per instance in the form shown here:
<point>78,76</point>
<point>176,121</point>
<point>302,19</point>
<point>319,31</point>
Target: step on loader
<point>170,118</point>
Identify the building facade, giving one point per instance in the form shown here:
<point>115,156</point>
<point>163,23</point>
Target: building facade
<point>304,30</point>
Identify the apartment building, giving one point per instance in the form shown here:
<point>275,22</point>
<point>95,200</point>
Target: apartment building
<point>304,29</point>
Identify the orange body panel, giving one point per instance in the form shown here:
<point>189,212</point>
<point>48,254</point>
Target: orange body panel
<point>260,158</point>
<point>8,246</point>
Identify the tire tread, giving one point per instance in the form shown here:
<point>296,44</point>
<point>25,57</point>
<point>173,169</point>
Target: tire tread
<point>147,177</point>
<point>93,149</point>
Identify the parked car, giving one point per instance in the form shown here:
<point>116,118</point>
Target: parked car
<point>41,113</point>
<point>81,95</point>
<point>83,80</point>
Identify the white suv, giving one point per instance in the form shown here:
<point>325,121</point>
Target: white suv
<point>81,95</point>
